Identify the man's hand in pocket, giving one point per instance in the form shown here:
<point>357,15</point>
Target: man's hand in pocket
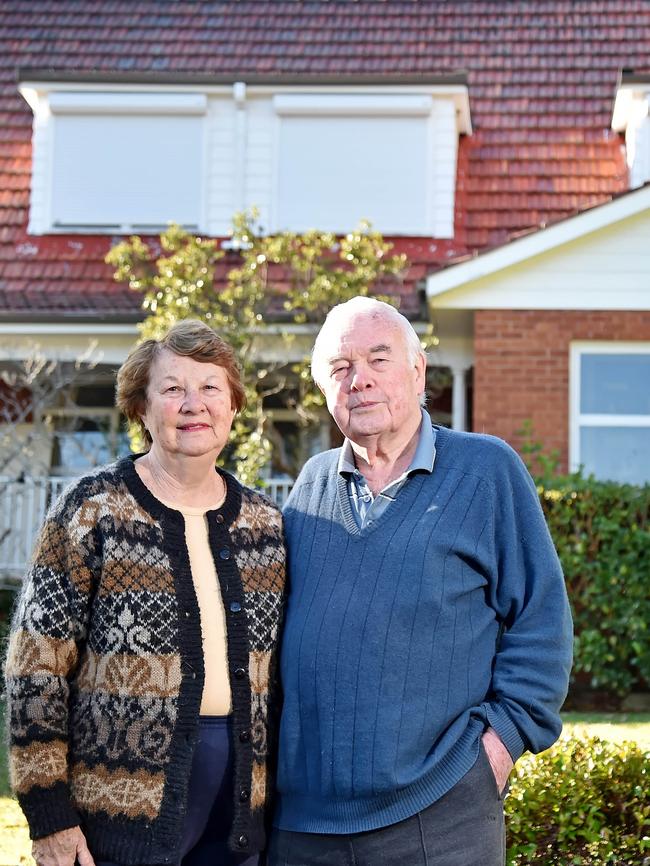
<point>499,758</point>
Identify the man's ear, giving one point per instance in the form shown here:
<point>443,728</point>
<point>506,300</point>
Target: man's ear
<point>421,368</point>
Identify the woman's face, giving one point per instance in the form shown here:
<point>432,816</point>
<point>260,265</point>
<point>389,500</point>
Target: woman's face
<point>189,408</point>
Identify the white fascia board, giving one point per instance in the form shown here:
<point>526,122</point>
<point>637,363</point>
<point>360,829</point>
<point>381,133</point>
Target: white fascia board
<point>482,298</point>
<point>94,343</point>
<point>35,92</point>
<point>79,87</point>
<point>114,100</point>
<point>463,113</point>
<point>47,99</point>
<point>541,241</point>
<point>33,329</point>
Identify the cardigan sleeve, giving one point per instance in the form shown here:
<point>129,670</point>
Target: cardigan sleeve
<point>48,627</point>
<point>533,659</point>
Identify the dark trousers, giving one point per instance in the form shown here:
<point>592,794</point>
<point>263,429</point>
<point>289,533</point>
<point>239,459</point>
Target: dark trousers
<point>209,801</point>
<point>463,828</point>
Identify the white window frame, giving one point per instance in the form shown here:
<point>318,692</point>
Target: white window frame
<point>578,420</point>
<point>51,102</point>
<point>356,104</point>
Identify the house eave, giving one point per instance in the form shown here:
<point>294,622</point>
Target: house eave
<point>33,74</point>
<point>453,85</point>
<point>32,319</point>
<point>541,241</point>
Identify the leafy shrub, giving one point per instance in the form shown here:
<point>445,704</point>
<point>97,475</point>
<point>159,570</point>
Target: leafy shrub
<point>583,802</point>
<point>602,534</point>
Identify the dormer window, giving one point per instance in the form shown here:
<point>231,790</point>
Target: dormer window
<point>122,158</point>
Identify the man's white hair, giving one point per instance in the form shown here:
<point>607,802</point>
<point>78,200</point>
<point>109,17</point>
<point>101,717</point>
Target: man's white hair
<point>342,313</point>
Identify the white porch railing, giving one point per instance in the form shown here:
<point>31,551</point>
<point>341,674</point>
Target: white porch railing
<point>24,503</point>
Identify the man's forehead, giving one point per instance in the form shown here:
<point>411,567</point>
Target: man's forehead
<point>366,332</point>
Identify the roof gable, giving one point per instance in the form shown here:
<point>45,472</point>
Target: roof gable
<point>598,259</point>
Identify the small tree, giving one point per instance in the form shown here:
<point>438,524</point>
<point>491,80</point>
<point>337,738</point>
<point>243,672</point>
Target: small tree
<point>282,279</point>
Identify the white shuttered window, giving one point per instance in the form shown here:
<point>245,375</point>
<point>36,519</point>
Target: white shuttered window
<point>132,162</point>
<point>362,157</point>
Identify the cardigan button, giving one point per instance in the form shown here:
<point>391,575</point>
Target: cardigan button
<point>244,736</point>
<point>244,795</point>
<point>219,518</point>
<point>235,606</point>
<point>242,842</point>
<point>240,673</point>
<point>224,553</point>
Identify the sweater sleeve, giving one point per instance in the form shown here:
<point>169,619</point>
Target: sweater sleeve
<point>533,659</point>
<point>48,627</point>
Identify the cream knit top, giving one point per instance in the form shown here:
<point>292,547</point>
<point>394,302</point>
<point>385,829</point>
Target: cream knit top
<point>216,699</point>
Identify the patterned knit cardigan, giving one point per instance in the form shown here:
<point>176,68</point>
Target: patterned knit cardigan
<point>105,666</point>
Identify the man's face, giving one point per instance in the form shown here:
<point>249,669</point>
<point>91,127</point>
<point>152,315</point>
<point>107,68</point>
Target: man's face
<point>370,385</point>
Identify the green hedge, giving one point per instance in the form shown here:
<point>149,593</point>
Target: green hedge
<point>581,802</point>
<point>602,534</point>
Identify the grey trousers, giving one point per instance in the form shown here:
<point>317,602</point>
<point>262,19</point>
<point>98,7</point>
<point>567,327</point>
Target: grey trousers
<point>463,828</point>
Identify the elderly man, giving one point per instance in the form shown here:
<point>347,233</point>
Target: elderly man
<point>428,636</point>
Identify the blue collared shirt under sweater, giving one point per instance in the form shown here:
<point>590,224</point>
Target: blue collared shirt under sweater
<point>368,508</point>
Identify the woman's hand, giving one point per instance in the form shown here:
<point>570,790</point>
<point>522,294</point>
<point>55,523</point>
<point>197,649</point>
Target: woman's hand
<point>498,756</point>
<point>65,848</point>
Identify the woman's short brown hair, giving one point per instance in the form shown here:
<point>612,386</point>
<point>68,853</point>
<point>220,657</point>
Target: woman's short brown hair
<point>190,338</point>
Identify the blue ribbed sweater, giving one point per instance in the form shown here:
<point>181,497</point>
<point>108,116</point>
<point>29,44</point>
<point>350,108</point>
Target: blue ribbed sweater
<point>404,640</point>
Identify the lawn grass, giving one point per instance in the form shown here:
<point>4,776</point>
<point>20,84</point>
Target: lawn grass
<point>14,840</point>
<point>15,844</point>
<point>615,727</point>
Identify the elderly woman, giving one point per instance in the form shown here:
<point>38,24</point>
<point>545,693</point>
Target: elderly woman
<point>141,664</point>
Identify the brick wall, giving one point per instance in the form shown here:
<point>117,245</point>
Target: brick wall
<point>522,367</point>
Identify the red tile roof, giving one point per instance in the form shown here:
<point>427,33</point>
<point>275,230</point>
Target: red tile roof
<point>542,77</point>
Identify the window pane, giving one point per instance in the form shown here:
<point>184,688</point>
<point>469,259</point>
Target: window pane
<point>616,453</point>
<point>84,442</point>
<point>110,170</point>
<point>85,450</point>
<point>615,384</point>
<point>335,171</point>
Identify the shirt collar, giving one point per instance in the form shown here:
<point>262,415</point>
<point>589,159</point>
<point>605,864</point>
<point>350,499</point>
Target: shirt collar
<point>423,458</point>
